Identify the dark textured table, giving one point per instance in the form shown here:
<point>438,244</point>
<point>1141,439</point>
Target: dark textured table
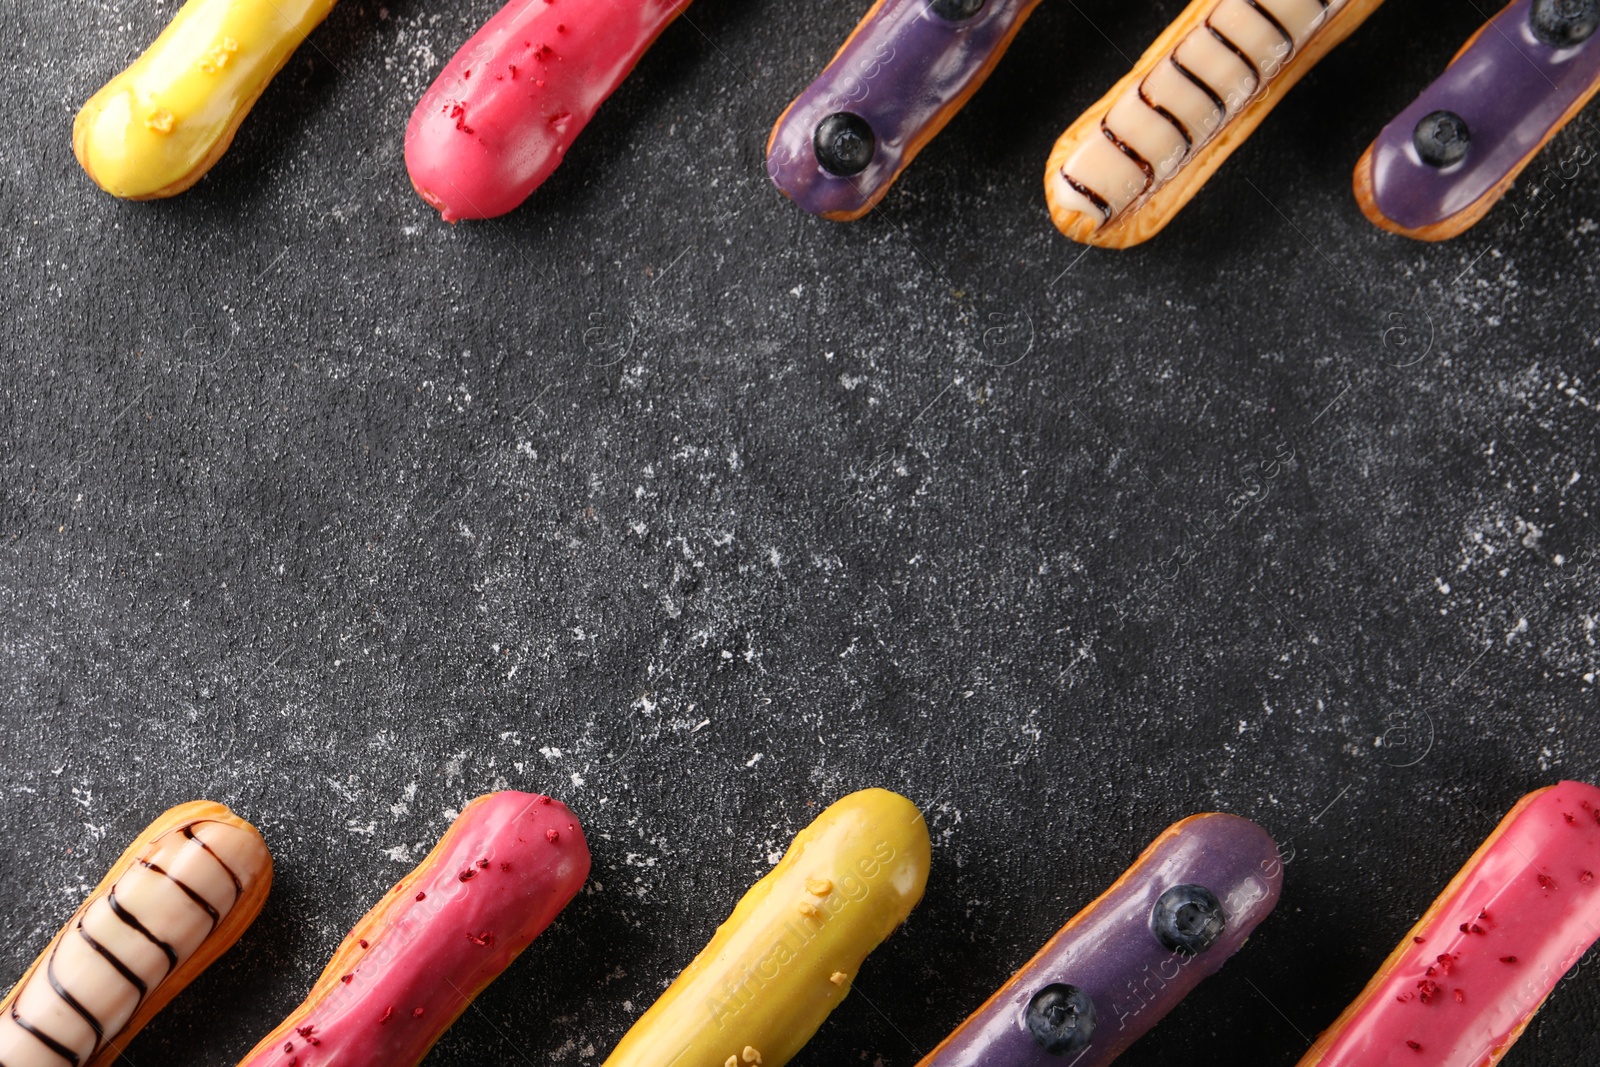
<point>698,512</point>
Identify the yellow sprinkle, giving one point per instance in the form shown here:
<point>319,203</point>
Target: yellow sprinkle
<point>160,120</point>
<point>207,67</point>
<point>230,45</point>
<point>808,909</point>
<point>733,1061</point>
<point>819,886</point>
<point>751,1055</point>
<point>839,978</point>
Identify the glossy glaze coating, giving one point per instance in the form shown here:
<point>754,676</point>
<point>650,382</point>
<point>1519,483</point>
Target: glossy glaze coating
<point>1466,980</point>
<point>906,71</point>
<point>174,901</point>
<point>1129,163</point>
<point>501,873</point>
<point>787,955</point>
<point>156,128</point>
<point>502,113</point>
<point>1110,953</point>
<point>1514,91</point>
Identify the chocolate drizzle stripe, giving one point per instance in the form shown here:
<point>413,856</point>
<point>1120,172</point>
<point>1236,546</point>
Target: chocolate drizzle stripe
<point>128,917</point>
<point>45,1039</point>
<point>1177,123</point>
<point>1283,31</point>
<point>115,961</point>
<point>1129,151</point>
<point>1223,40</point>
<point>1199,83</point>
<point>71,1001</point>
<point>188,832</point>
<point>188,892</point>
<point>1101,203</point>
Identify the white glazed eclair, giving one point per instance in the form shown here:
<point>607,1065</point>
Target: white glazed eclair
<point>177,899</point>
<point>1129,164</point>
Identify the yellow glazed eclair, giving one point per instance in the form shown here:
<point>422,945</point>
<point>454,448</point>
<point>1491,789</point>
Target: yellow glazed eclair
<point>178,898</point>
<point>156,128</point>
<point>786,956</point>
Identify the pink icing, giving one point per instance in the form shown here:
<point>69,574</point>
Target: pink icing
<point>514,861</point>
<point>505,109</point>
<point>1518,917</point>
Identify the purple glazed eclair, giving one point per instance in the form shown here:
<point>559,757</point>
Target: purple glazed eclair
<point>1185,906</point>
<point>1444,161</point>
<point>904,72</point>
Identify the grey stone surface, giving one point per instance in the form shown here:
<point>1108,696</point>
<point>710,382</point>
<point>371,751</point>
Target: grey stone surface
<point>697,512</point>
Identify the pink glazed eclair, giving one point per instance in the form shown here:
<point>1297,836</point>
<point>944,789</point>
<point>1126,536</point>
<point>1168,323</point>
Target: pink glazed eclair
<point>505,868</point>
<point>1470,975</point>
<point>503,112</point>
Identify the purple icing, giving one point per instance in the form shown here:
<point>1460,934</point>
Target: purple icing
<point>1511,88</point>
<point>1111,954</point>
<point>902,67</point>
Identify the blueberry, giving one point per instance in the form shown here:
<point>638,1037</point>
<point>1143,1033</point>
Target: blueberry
<point>1061,1018</point>
<point>1564,23</point>
<point>1441,138</point>
<point>844,144</point>
<point>955,10</point>
<point>1188,919</point>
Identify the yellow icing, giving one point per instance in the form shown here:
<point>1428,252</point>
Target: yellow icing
<point>156,128</point>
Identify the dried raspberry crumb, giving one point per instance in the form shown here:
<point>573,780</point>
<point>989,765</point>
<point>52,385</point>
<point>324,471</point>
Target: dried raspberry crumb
<point>386,1013</point>
<point>1508,959</point>
<point>1568,816</point>
<point>1418,939</point>
<point>1477,929</point>
<point>505,866</point>
<point>1406,997</point>
<point>416,1013</point>
<point>288,1046</point>
<point>1461,997</point>
<point>1586,877</point>
<point>346,979</point>
<point>1483,913</point>
<point>513,72</point>
<point>1466,929</point>
<point>466,73</point>
<point>1546,882</point>
<point>306,1031</point>
<point>483,863</point>
<point>552,835</point>
<point>485,938</point>
<point>422,896</point>
<point>1414,1046</point>
<point>1427,990</point>
<point>467,875</point>
<point>542,798</point>
<point>362,942</point>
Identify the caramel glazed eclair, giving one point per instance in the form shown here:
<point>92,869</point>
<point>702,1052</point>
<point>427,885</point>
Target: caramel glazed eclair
<point>1129,164</point>
<point>178,898</point>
